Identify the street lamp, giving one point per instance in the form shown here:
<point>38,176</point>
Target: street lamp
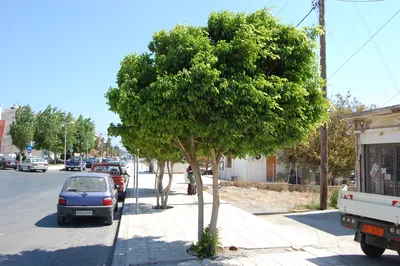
<point>65,141</point>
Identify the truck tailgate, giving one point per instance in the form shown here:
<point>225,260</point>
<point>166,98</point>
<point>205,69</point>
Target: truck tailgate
<point>379,207</point>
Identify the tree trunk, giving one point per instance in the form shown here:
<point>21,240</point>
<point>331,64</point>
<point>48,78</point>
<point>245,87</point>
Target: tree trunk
<point>215,206</point>
<point>191,158</point>
<point>199,186</point>
<point>159,174</point>
<point>167,189</point>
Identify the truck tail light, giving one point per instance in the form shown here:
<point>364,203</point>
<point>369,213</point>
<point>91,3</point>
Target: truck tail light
<point>62,201</point>
<point>107,201</point>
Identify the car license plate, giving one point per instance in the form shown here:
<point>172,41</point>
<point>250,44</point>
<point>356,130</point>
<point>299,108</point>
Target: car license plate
<point>373,230</point>
<point>84,213</point>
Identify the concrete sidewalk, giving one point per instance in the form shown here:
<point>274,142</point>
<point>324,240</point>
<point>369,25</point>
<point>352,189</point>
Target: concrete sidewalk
<point>162,237</point>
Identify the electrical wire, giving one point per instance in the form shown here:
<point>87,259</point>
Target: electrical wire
<point>248,5</point>
<point>282,8</point>
<point>378,50</point>
<point>315,4</point>
<point>354,54</point>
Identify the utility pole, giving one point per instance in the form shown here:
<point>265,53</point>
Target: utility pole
<point>324,134</point>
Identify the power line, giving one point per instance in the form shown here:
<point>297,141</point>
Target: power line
<point>314,6</point>
<point>282,8</point>
<point>248,5</point>
<point>397,12</point>
<point>378,50</point>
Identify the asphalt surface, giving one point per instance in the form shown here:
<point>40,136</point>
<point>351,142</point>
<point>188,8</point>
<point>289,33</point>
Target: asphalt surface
<point>29,234</point>
<point>322,230</point>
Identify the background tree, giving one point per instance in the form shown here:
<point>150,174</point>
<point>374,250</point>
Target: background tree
<point>99,145</point>
<point>164,155</point>
<point>70,130</point>
<point>108,147</point>
<point>84,137</point>
<point>341,141</point>
<point>115,150</point>
<point>47,128</point>
<point>23,127</point>
<point>245,84</point>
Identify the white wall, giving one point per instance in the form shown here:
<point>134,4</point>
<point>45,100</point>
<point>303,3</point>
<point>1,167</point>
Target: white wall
<point>257,170</point>
<point>241,167</point>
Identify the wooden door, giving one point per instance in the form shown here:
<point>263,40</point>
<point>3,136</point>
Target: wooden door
<point>271,168</point>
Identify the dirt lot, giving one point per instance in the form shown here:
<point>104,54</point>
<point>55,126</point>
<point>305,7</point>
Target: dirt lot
<point>260,201</point>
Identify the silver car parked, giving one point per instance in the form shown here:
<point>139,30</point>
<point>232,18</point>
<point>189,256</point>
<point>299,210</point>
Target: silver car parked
<point>34,164</point>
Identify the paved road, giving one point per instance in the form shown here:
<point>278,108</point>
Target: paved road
<point>321,230</point>
<point>29,234</point>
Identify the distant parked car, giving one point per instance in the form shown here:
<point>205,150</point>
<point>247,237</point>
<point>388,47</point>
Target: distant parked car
<point>116,173</point>
<point>90,162</point>
<point>75,162</point>
<point>33,165</point>
<point>8,162</point>
<point>206,169</point>
<point>88,194</point>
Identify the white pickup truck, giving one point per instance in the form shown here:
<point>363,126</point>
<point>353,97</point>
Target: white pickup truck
<point>374,210</point>
<point>375,218</point>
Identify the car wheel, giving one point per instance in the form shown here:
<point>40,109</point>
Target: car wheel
<point>44,171</point>
<point>19,168</point>
<point>80,169</point>
<point>29,169</point>
<point>60,220</point>
<point>109,220</point>
<point>2,166</point>
<point>370,250</point>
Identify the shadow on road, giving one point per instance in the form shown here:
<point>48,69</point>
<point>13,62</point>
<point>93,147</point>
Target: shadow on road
<point>328,222</point>
<point>387,260</point>
<point>81,255</point>
<point>50,221</point>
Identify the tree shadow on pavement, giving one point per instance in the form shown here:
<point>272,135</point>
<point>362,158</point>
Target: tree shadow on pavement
<point>154,250</point>
<point>81,255</point>
<point>50,221</point>
<point>387,260</point>
<point>328,222</point>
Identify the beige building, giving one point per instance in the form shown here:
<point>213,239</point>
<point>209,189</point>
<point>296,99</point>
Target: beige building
<point>7,115</point>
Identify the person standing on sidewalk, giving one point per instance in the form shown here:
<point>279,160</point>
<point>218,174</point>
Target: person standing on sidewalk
<point>192,183</point>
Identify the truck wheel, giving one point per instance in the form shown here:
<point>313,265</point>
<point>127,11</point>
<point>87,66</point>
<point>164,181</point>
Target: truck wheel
<point>370,250</point>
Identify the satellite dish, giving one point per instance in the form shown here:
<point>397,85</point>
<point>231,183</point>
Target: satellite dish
<point>258,157</point>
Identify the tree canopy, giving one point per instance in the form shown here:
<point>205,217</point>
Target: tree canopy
<point>341,141</point>
<point>23,127</point>
<point>244,84</point>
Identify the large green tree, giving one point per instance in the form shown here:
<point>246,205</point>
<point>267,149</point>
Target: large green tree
<point>47,128</point>
<point>66,130</point>
<point>84,138</point>
<point>341,141</point>
<point>23,127</point>
<point>245,84</point>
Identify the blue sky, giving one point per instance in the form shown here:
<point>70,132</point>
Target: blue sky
<point>67,53</point>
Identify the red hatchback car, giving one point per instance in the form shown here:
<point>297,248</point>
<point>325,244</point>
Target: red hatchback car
<point>116,173</point>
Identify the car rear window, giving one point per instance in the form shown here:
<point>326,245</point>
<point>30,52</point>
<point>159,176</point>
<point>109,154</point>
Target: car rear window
<point>109,169</point>
<point>87,184</point>
<point>75,159</point>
